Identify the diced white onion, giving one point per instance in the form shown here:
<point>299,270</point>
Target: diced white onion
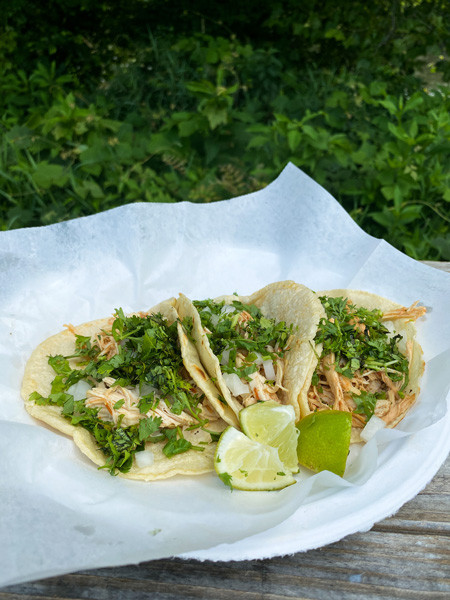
<point>259,359</point>
<point>225,356</point>
<point>269,371</point>
<point>144,458</point>
<point>373,425</point>
<point>235,385</point>
<point>79,389</point>
<point>226,308</point>
<point>214,319</point>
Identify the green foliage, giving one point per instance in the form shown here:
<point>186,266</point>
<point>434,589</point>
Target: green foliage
<point>211,102</point>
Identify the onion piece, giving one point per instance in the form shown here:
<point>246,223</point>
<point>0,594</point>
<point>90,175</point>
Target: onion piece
<point>145,458</point>
<point>259,359</point>
<point>225,357</point>
<point>235,385</point>
<point>79,389</point>
<point>214,319</point>
<point>269,370</point>
<point>227,308</point>
<point>373,425</point>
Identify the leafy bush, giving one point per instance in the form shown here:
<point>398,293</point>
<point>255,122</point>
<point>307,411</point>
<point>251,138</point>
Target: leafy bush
<point>176,114</point>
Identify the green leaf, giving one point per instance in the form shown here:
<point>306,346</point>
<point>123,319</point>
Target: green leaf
<point>413,129</point>
<point>47,175</point>
<point>446,194</point>
<point>176,446</point>
<point>294,138</point>
<point>60,364</point>
<point>148,426</point>
<point>216,116</point>
<point>226,478</point>
<point>257,141</point>
<point>201,87</point>
<point>389,105</point>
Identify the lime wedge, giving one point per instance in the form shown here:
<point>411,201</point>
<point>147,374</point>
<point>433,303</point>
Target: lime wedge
<point>273,424</point>
<point>244,464</point>
<point>324,440</point>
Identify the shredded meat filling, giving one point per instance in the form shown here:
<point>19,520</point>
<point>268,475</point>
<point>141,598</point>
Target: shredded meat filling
<point>335,390</point>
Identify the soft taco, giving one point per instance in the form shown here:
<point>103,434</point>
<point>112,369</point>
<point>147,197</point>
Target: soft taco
<point>368,360</point>
<point>258,347</point>
<point>124,389</point>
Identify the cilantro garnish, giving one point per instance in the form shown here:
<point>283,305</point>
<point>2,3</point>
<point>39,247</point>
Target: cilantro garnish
<point>147,427</point>
<point>366,402</point>
<point>252,335</point>
<point>359,341</point>
<point>176,444</point>
<point>147,354</point>
<point>226,478</point>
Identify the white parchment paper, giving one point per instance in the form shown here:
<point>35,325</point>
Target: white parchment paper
<point>60,514</point>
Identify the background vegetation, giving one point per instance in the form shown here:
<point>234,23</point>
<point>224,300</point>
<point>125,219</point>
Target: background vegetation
<point>105,102</point>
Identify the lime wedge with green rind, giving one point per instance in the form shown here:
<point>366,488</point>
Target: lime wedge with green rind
<point>324,440</point>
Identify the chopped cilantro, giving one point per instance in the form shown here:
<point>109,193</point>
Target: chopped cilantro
<point>366,402</point>
<point>226,478</point>
<point>359,341</point>
<point>147,402</point>
<point>175,444</point>
<point>68,406</point>
<point>253,335</point>
<point>147,427</point>
<point>148,354</point>
<point>60,365</point>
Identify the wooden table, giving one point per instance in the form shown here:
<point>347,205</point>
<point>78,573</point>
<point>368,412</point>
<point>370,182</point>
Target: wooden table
<point>404,556</point>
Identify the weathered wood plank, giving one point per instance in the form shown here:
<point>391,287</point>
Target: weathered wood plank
<point>444,266</point>
<point>370,565</point>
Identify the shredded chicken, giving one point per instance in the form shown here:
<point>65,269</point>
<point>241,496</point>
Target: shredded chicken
<point>106,395</point>
<point>71,328</point>
<point>412,313</point>
<point>333,381</point>
<point>107,344</point>
<point>398,409</point>
<point>261,390</point>
<point>336,391</point>
<point>279,369</point>
<point>169,419</point>
<point>244,317</point>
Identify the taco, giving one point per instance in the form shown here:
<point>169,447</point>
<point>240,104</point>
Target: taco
<point>258,347</point>
<point>368,360</point>
<point>124,389</point>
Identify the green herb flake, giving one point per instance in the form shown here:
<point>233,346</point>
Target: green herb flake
<point>226,478</point>
<point>365,403</point>
<point>148,426</point>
